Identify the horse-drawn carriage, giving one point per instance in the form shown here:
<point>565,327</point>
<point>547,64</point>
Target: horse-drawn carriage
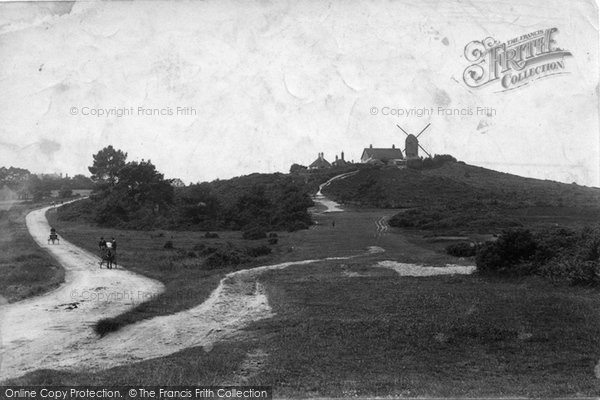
<point>53,238</point>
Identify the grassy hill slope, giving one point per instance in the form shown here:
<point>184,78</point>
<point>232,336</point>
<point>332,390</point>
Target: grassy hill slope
<point>461,196</point>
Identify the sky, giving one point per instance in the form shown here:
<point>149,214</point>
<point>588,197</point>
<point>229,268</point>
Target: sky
<point>216,89</point>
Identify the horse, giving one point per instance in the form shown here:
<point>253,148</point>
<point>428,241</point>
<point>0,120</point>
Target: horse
<point>109,256</point>
<point>53,238</point>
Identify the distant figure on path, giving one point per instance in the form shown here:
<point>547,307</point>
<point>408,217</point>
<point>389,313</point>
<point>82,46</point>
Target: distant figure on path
<point>53,236</point>
<point>333,224</point>
<point>102,244</point>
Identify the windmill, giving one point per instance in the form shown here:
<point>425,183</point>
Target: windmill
<point>411,149</point>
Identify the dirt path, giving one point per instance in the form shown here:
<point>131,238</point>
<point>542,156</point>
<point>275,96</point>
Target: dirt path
<point>330,205</point>
<point>382,226</point>
<point>54,331</point>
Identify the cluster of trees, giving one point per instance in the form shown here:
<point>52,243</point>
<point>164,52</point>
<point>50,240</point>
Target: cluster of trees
<point>261,202</point>
<point>25,185</point>
<point>126,193</point>
<point>437,161</point>
<point>134,195</point>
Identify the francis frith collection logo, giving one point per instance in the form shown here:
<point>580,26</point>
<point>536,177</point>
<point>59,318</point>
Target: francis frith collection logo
<point>516,62</point>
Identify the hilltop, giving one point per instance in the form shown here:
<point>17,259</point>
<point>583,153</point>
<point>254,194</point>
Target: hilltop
<point>458,195</point>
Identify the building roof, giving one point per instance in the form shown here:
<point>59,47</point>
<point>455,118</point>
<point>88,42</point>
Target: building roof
<point>382,154</point>
<point>320,162</point>
<point>339,162</point>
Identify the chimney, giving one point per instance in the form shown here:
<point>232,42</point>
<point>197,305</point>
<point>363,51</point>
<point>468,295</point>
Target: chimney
<point>336,157</point>
<point>370,146</point>
<point>342,156</point>
<point>393,146</point>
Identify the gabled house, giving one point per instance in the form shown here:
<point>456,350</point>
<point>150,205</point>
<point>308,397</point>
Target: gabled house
<point>320,162</point>
<point>339,162</point>
<point>390,156</point>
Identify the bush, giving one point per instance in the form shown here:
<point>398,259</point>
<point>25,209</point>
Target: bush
<point>559,254</point>
<point>462,249</point>
<point>297,225</point>
<point>414,163</point>
<point>65,193</point>
<point>258,251</point>
<point>207,250</point>
<point>401,221</point>
<point>510,254</point>
<point>224,257</point>
<point>273,240</point>
<point>589,244</point>
<point>210,235</point>
<point>572,271</point>
<point>254,233</point>
<point>168,244</point>
<point>106,326</point>
<point>272,235</point>
<point>554,242</point>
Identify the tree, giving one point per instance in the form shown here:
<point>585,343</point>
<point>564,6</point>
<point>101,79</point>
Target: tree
<point>253,208</point>
<point>81,182</point>
<point>14,177</point>
<point>107,164</point>
<point>297,168</point>
<point>65,192</point>
<point>36,189</point>
<point>143,185</point>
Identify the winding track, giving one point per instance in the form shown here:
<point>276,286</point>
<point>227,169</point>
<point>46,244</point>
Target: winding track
<point>331,206</point>
<point>54,331</point>
<point>35,332</point>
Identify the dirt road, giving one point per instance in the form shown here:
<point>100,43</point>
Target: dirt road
<point>35,332</point>
<point>330,205</point>
<point>54,331</point>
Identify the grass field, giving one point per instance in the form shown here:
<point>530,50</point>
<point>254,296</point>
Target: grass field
<point>25,269</point>
<point>187,281</point>
<point>380,334</point>
<point>347,328</point>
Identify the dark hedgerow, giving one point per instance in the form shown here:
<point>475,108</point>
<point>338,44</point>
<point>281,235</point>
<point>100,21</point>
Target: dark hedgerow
<point>507,254</point>
<point>135,195</point>
<point>559,254</point>
<point>258,251</point>
<point>225,257</point>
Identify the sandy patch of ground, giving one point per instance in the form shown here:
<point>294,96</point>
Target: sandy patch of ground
<point>237,301</point>
<point>404,269</point>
